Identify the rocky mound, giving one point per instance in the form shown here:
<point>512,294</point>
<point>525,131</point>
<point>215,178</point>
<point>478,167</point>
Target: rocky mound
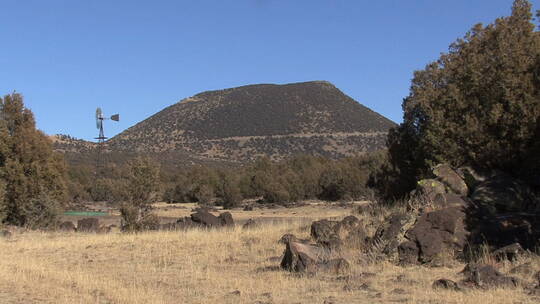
<point>458,211</point>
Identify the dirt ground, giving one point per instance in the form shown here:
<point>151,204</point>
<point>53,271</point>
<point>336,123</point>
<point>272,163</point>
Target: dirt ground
<point>217,266</point>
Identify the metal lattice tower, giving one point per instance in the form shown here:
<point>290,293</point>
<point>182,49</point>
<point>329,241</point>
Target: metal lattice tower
<point>101,141</point>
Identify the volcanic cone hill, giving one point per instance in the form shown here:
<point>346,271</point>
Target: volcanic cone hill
<point>241,124</point>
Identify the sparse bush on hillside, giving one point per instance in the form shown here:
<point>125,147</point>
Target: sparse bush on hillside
<point>478,105</point>
<point>33,175</point>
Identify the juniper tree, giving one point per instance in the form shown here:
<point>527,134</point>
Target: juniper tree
<point>33,175</point>
<point>476,105</point>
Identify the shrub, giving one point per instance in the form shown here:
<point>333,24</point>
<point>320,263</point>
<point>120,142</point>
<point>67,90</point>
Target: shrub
<point>204,194</point>
<point>232,197</point>
<point>141,187</point>
<point>42,212</point>
<point>276,193</point>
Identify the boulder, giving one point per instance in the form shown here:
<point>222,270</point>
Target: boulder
<point>484,275</point>
<point>408,253</point>
<point>206,219</point>
<point>510,252</point>
<point>503,230</point>
<point>185,223</point>
<point>451,179</point>
<point>348,232</point>
<point>90,224</point>
<point>523,269</point>
<point>390,234</point>
<point>67,226</point>
<point>226,219</point>
<point>430,188</point>
<point>445,200</point>
<point>299,257</point>
<point>435,232</point>
<point>323,230</point>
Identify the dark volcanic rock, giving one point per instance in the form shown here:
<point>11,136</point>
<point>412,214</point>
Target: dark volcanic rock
<point>67,226</point>
<point>323,230</point>
<point>206,219</point>
<point>437,231</point>
<point>510,252</point>
<point>226,219</point>
<point>348,232</point>
<point>185,223</point>
<point>503,230</point>
<point>451,179</point>
<point>431,188</point>
<point>408,252</point>
<point>88,225</point>
<point>483,275</point>
<point>391,233</point>
<point>299,257</point>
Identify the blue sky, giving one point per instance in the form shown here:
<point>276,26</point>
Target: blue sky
<point>136,57</point>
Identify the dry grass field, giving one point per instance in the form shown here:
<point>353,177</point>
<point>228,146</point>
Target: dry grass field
<point>218,266</point>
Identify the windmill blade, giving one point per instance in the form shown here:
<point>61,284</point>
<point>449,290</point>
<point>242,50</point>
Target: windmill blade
<point>99,118</point>
<point>115,117</point>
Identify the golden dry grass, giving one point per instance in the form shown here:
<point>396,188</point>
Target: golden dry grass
<point>313,210</point>
<point>219,266</point>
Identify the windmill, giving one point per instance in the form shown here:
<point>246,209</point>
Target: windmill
<point>101,137</point>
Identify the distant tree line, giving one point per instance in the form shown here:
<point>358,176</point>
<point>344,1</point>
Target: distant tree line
<point>299,178</point>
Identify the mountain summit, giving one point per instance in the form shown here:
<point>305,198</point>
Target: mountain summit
<point>243,123</point>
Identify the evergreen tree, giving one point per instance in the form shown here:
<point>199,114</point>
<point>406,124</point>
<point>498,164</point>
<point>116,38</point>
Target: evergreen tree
<point>477,105</point>
<point>32,173</point>
<point>142,190</point>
